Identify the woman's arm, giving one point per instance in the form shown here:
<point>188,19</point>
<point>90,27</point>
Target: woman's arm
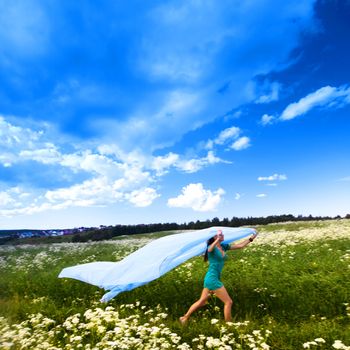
<point>244,243</point>
<point>212,246</point>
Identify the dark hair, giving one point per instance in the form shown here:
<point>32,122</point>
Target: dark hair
<point>209,242</point>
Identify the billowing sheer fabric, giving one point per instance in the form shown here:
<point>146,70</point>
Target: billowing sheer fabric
<point>149,262</point>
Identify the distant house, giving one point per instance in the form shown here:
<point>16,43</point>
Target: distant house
<point>26,234</point>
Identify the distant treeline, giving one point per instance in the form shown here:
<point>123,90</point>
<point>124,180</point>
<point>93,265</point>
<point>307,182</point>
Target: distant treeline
<point>84,234</point>
<point>108,232</point>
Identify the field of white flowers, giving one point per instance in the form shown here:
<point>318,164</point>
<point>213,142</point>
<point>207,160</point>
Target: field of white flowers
<point>291,290</point>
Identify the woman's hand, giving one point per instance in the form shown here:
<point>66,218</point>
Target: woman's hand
<point>254,236</point>
<point>217,240</point>
<point>213,245</point>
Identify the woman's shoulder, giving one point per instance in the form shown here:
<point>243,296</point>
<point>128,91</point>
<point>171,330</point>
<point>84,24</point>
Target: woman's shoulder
<point>225,246</point>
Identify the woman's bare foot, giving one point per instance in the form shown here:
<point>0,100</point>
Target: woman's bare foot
<point>183,320</point>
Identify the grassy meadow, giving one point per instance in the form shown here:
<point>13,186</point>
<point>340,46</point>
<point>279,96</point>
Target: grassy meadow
<point>291,290</point>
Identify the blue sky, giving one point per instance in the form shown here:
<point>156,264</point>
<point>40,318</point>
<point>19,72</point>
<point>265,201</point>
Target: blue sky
<point>172,111</point>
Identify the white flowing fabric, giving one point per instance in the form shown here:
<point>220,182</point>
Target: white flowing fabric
<point>149,262</point>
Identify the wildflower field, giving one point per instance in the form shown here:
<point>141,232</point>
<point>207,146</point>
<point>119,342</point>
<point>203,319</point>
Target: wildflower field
<point>291,290</point>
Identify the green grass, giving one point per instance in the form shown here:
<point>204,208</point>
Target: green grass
<point>294,226</point>
<point>69,238</point>
<point>297,292</point>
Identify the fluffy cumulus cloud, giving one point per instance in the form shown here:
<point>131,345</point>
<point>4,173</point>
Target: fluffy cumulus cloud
<point>193,165</point>
<point>98,176</point>
<point>27,149</point>
<point>15,138</point>
<point>17,200</point>
<point>6,199</point>
<point>274,177</point>
<point>231,138</point>
<point>162,164</point>
<point>267,119</point>
<point>327,97</point>
<point>97,191</point>
<point>143,197</point>
<point>196,197</point>
<point>242,143</point>
<point>227,134</point>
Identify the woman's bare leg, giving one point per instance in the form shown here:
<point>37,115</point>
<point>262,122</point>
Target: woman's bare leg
<point>195,306</point>
<point>222,294</point>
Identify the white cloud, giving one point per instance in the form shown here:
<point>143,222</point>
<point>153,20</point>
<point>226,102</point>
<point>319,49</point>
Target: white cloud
<point>48,155</point>
<point>196,197</point>
<point>6,199</point>
<point>190,166</point>
<point>110,181</point>
<point>93,163</point>
<point>14,198</point>
<point>242,143</point>
<point>227,134</point>
<point>327,96</point>
<point>115,175</point>
<point>97,191</point>
<point>274,177</point>
<point>100,192</point>
<point>237,114</point>
<point>195,164</point>
<point>20,144</point>
<point>271,94</point>
<point>238,196</point>
<point>267,119</point>
<point>162,163</point>
<point>209,144</point>
<point>135,157</point>
<point>261,195</point>
<point>133,178</point>
<point>143,197</point>
<point>12,136</point>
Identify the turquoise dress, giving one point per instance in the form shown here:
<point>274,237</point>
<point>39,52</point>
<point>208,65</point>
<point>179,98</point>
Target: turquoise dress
<point>216,263</point>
